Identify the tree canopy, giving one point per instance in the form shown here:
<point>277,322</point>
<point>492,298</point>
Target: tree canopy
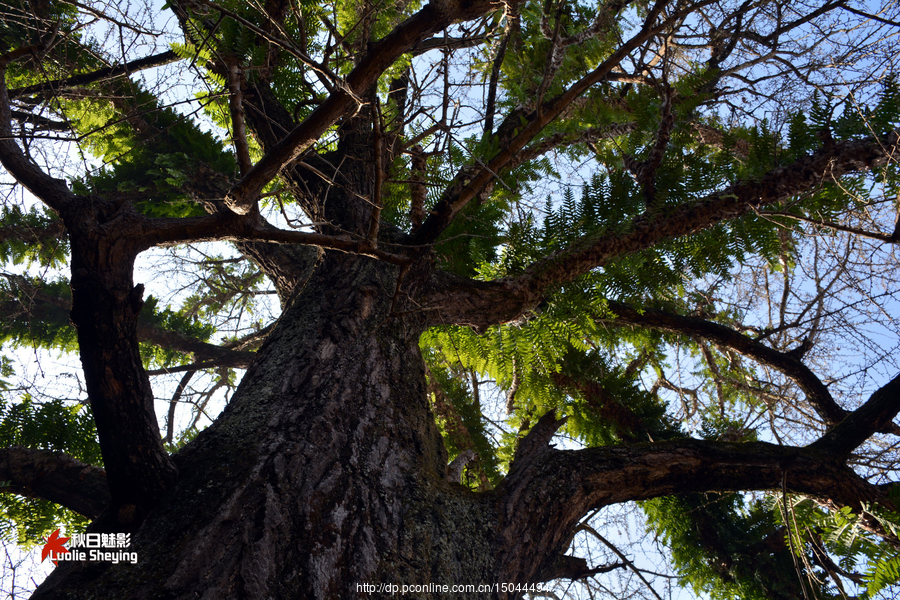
<point>661,235</point>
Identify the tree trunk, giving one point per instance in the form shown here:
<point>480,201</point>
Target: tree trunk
<point>326,476</point>
<point>325,472</point>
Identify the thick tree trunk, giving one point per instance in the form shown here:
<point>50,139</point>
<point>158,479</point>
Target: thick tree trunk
<point>326,476</point>
<point>326,471</point>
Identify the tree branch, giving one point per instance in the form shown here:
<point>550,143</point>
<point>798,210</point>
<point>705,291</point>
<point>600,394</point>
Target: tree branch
<point>56,477</point>
<point>156,60</point>
<point>805,174</point>
<point>348,98</point>
<point>543,499</point>
<point>451,203</point>
<point>621,555</point>
<point>573,568</point>
<point>875,235</point>
<point>209,354</point>
<point>236,107</point>
<point>54,311</point>
<point>481,304</point>
<point>53,192</point>
<point>816,391</point>
<point>875,415</point>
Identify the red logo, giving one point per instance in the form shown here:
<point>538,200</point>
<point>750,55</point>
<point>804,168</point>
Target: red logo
<point>54,546</point>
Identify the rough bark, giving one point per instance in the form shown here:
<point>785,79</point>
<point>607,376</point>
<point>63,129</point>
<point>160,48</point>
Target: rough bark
<point>574,482</point>
<point>327,471</point>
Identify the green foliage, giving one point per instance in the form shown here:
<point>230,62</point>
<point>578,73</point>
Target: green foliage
<point>57,426</point>
<point>53,425</point>
<point>41,321</point>
<point>726,547</point>
<point>30,241</point>
<point>166,318</point>
<point>606,405</point>
<point>849,536</point>
<point>155,161</point>
<point>460,417</point>
<point>26,521</point>
<point>523,69</point>
<point>6,370</point>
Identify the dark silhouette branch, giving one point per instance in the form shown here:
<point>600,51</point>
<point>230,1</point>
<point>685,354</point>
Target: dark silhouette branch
<point>876,414</point>
<point>875,235</point>
<point>105,74</point>
<point>630,564</point>
<point>56,477</point>
<point>173,404</point>
<point>573,568</point>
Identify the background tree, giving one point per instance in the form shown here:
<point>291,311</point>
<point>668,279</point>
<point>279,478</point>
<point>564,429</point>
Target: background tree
<point>447,233</point>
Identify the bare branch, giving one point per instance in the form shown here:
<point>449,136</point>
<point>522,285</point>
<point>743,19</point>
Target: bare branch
<point>875,235</point>
<point>816,392</point>
<point>107,73</point>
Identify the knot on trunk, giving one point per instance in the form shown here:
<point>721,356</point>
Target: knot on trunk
<point>456,466</point>
<point>537,442</point>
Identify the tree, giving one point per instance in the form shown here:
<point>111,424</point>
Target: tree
<point>383,172</point>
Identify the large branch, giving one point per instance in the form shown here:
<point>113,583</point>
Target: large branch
<point>56,477</point>
<point>226,226</point>
<point>29,302</point>
<point>876,414</point>
<point>479,304</point>
<point>53,192</point>
<point>210,355</point>
<point>344,101</point>
<point>789,364</point>
<point>803,175</point>
<point>548,491</point>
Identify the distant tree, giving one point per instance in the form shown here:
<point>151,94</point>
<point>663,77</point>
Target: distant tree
<point>663,230</point>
